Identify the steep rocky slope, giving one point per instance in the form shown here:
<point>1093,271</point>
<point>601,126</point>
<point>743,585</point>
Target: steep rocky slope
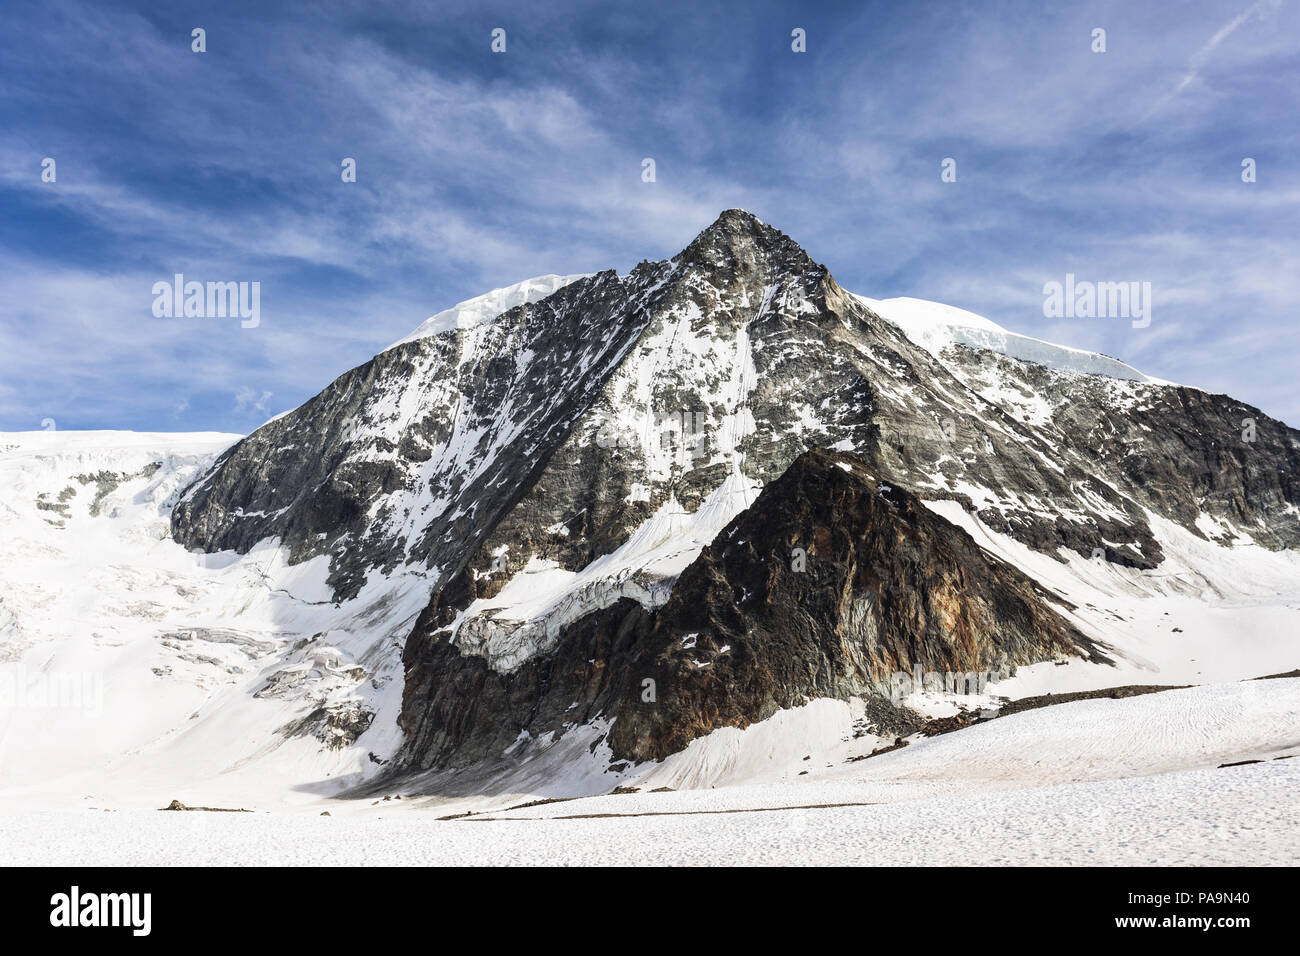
<point>414,456</point>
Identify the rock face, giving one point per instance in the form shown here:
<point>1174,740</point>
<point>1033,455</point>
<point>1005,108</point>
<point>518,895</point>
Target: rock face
<point>1179,452</point>
<point>555,470</point>
<point>827,586</point>
<point>416,455</point>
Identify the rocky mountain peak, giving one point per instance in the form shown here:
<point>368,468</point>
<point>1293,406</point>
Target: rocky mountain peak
<point>741,244</point>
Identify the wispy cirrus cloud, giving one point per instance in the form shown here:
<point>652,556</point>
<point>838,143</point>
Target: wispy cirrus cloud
<point>1202,56</point>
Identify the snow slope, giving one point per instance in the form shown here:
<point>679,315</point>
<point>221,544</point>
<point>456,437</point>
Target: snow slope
<point>484,308</point>
<point>935,327</point>
<point>126,659</point>
<point>528,615</point>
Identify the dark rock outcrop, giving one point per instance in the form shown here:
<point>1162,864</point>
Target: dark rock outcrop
<point>827,586</point>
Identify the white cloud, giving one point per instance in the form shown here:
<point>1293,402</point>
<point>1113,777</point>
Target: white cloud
<point>247,399</point>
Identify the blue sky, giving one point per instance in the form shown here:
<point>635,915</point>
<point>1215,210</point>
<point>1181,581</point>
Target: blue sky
<point>475,170</point>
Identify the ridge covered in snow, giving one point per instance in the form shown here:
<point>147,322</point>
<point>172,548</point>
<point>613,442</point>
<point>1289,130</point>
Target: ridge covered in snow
<point>486,307</point>
<point>935,327</point>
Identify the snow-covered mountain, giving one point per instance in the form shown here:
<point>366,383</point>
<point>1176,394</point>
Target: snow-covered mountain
<point>721,474</point>
<point>554,471</point>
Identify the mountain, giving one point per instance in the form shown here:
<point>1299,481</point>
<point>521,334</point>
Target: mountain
<point>567,479</point>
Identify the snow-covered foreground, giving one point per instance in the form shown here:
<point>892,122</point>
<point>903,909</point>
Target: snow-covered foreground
<point>1133,781</point>
<point>982,807</point>
<point>1245,815</point>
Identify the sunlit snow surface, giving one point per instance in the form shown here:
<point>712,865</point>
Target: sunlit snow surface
<point>935,326</point>
<point>486,307</point>
<point>1133,781</point>
<point>158,651</point>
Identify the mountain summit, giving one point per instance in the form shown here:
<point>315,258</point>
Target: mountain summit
<point>737,237</point>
